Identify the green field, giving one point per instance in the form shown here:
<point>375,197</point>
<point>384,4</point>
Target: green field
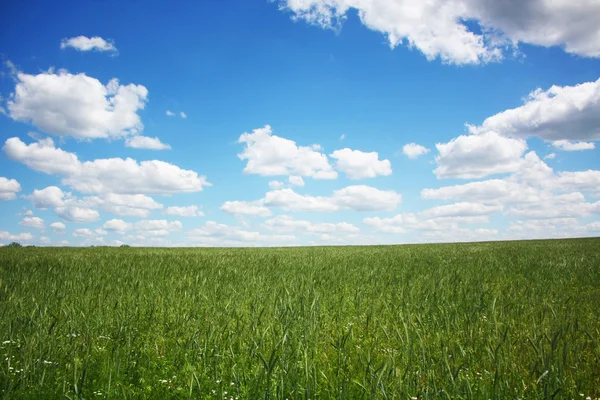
<point>474,321</point>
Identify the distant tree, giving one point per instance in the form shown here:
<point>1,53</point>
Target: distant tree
<point>14,244</point>
<point>124,245</point>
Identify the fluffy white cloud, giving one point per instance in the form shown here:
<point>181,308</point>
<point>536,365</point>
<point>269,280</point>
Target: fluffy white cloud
<point>111,175</point>
<point>80,106</point>
<point>83,43</point>
<point>189,211</point>
<point>477,156</point>
<point>215,234</point>
<point>239,208</point>
<point>414,150</point>
<point>286,223</point>
<point>403,222</point>
<point>131,205</point>
<point>568,145</point>
<point>145,142</point>
<point>183,115</point>
<point>550,156</point>
<point>157,227</point>
<point>58,226</point>
<point>49,197</point>
<point>357,198</point>
<point>437,28</point>
<point>296,180</point>
<point>357,164</point>
<point>9,188</point>
<point>271,155</point>
<point>83,232</point>
<point>117,225</point>
<point>21,236</point>
<point>170,113</point>
<point>77,214</point>
<point>463,209</point>
<point>569,113</point>
<point>33,222</point>
<point>276,184</point>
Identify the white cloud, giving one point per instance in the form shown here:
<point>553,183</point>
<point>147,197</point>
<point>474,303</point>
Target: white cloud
<point>477,156</point>
<point>296,180</point>
<point>58,226</point>
<point>182,115</point>
<point>437,28</point>
<point>270,155</point>
<point>83,43</point>
<point>402,222</point>
<point>414,150</point>
<point>83,232</point>
<point>77,214</point>
<point>568,145</point>
<point>342,136</point>
<point>9,188</point>
<point>112,175</point>
<point>357,164</point>
<point>560,113</point>
<point>157,227</point>
<point>131,205</point>
<point>276,184</point>
<point>550,156</point>
<point>80,106</point>
<point>21,236</point>
<point>357,198</point>
<point>463,209</point>
<point>170,113</point>
<point>189,211</point>
<point>145,142</point>
<point>286,223</point>
<point>239,208</point>
<point>215,234</point>
<point>117,225</point>
<point>33,222</point>
<point>49,197</point>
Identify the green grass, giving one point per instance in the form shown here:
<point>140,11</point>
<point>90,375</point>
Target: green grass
<point>474,321</point>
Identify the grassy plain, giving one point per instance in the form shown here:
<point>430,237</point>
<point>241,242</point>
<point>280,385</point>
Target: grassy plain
<point>461,321</point>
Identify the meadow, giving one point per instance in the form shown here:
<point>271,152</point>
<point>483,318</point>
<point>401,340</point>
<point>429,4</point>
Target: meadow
<point>447,321</point>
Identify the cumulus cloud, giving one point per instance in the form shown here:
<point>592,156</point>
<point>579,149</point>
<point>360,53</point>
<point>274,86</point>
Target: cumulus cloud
<point>189,211</point>
<point>112,175</point>
<point>276,184</point>
<point>49,197</point>
<point>357,198</point>
<point>77,214</point>
<point>144,227</point>
<point>78,105</point>
<point>284,223</point>
<point>9,188</point>
<point>239,208</point>
<point>271,155</point>
<point>170,113</point>
<point>33,222</point>
<point>463,209</point>
<point>550,156</point>
<point>438,29</point>
<point>215,234</point>
<point>58,226</point>
<point>567,113</point>
<point>83,43</point>
<point>357,164</point>
<point>568,145</point>
<point>535,191</point>
<point>414,150</point>
<point>83,232</point>
<point>296,180</point>
<point>21,236</point>
<point>131,205</point>
<point>477,156</point>
<point>145,142</point>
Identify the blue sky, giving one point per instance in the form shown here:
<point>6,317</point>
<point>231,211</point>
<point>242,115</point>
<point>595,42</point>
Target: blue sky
<point>304,122</point>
